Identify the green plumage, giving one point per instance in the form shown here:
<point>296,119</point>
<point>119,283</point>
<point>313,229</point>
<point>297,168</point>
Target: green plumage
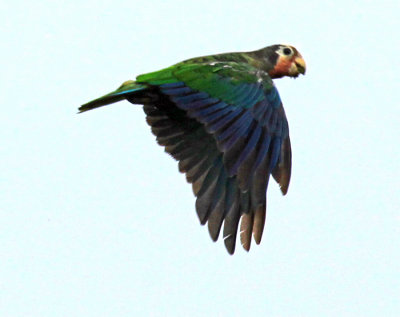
<point>119,94</point>
<point>222,118</point>
<point>201,73</point>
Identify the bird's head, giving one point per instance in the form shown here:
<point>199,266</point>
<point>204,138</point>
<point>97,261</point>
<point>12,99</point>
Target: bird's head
<point>282,60</point>
<point>288,62</point>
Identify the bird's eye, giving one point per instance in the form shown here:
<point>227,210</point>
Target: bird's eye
<point>287,51</point>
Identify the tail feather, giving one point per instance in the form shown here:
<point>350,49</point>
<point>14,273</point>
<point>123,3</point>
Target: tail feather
<point>126,89</point>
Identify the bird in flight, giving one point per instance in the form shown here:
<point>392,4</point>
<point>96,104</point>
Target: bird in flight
<point>222,118</point>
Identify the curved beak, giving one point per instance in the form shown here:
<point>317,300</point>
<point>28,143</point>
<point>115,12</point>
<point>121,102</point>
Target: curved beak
<point>300,64</point>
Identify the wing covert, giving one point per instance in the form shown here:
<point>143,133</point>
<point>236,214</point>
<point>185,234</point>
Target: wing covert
<point>237,137</point>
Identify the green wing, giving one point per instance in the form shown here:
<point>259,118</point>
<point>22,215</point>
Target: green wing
<point>225,123</point>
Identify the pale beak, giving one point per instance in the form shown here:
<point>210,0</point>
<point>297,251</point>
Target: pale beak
<point>300,64</point>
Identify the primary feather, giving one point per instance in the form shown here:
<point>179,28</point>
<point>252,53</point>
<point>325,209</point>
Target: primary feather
<point>222,118</point>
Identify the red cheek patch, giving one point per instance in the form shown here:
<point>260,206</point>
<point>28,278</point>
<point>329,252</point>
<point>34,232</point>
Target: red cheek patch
<point>281,68</point>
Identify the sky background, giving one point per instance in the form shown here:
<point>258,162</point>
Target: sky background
<point>96,220</point>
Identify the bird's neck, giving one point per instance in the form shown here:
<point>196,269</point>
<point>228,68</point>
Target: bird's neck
<point>254,58</point>
<point>261,59</point>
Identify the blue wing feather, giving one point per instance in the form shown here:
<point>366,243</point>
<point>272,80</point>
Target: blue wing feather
<point>248,125</point>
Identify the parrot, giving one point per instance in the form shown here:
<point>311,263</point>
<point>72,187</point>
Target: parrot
<point>221,117</point>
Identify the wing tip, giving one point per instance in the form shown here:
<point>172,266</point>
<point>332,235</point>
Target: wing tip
<point>284,188</point>
<point>259,223</point>
<point>246,228</point>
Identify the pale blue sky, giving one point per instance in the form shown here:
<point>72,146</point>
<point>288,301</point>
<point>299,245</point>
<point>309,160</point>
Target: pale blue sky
<point>97,221</point>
